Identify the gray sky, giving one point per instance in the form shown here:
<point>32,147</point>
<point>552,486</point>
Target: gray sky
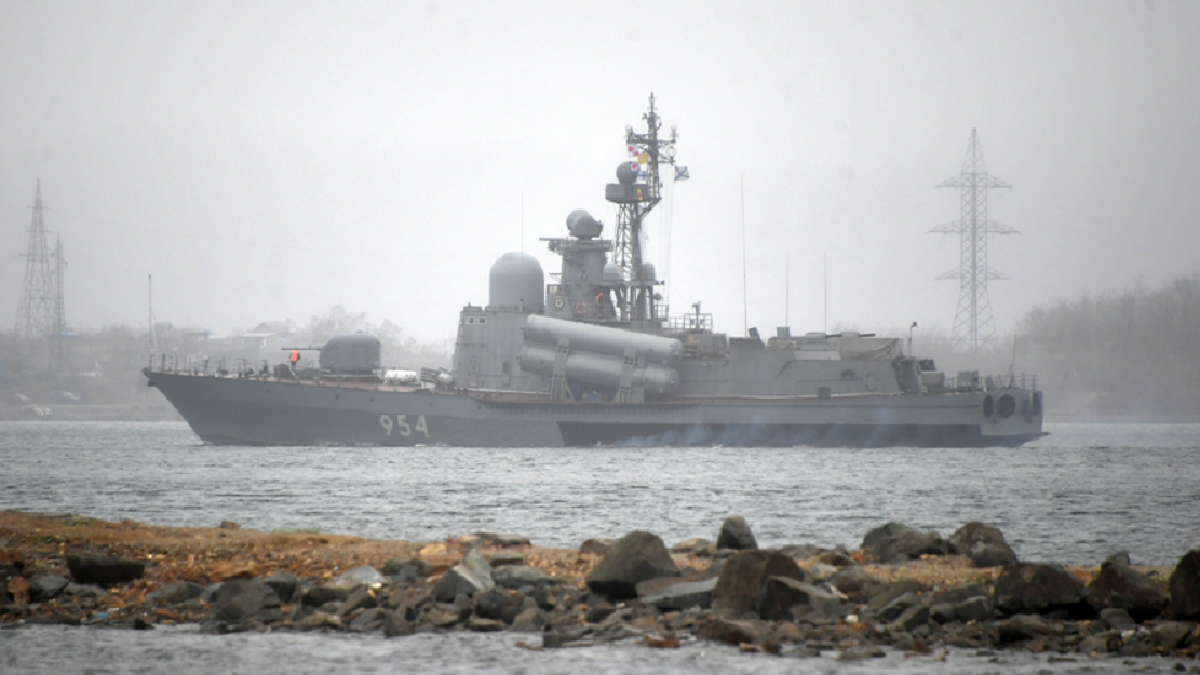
<point>267,160</point>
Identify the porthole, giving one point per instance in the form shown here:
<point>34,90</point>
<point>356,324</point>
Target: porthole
<point>1007,406</point>
<point>483,319</point>
<point>470,319</point>
<point>989,406</point>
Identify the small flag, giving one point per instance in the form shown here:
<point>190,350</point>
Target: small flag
<point>633,168</point>
<point>641,177</point>
<point>643,158</point>
<point>633,151</point>
<point>681,173</point>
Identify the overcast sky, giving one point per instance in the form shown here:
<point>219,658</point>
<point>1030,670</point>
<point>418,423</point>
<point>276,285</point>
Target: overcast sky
<point>268,160</point>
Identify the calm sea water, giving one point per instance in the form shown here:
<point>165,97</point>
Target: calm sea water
<point>1075,496</point>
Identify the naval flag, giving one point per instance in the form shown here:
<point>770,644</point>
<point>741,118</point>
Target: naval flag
<point>681,173</point>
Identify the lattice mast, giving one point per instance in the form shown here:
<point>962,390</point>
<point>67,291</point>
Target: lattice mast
<point>973,322</point>
<point>61,358</point>
<point>634,204</point>
<point>37,313</point>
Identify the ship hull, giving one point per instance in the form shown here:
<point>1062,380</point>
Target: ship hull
<point>248,411</point>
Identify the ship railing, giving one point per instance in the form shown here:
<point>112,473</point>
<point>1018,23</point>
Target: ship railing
<point>691,323</point>
<point>208,365</point>
<point>993,382</point>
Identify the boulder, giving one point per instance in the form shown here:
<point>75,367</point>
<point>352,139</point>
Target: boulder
<point>656,585</point>
<point>409,574</point>
<point>1029,588</point>
<point>363,574</point>
<point>638,556</point>
<point>1171,634</point>
<point>46,588</point>
<point>491,603</point>
<point>395,624</point>
<point>983,545</point>
<point>176,592</point>
<point>240,599</point>
<point>596,546</point>
<point>91,568</point>
<point>736,535</point>
<point>472,575</point>
<point>368,620</point>
<point>696,546</point>
<point>502,540</point>
<point>899,605</point>
<point>780,595</point>
<point>530,620</point>
<point>1185,587</point>
<point>911,618</point>
<point>395,565</point>
<point>1023,627</point>
<point>897,543</point>
<point>12,563</point>
<point>1119,619</point>
<point>855,583</point>
<point>729,631</point>
<point>514,577</point>
<point>977,609</point>
<point>283,583</point>
<point>958,594</point>
<point>1120,557</point>
<point>742,579</point>
<point>360,598</point>
<point>322,594</point>
<point>684,595</point>
<point>1120,586</point>
<point>882,597</point>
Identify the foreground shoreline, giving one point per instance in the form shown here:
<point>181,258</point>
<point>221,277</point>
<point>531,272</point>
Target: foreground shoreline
<point>800,601</point>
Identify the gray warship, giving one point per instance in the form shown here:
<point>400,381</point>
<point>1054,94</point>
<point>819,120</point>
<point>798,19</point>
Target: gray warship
<point>593,358</point>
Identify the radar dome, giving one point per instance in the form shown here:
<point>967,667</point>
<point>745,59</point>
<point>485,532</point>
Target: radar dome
<point>516,280</point>
<point>627,173</point>
<point>581,224</point>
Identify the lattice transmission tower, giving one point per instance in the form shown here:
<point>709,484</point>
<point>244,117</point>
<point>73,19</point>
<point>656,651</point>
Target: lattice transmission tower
<point>973,322</point>
<point>37,314</point>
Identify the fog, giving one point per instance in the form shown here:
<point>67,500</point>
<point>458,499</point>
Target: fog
<point>270,160</point>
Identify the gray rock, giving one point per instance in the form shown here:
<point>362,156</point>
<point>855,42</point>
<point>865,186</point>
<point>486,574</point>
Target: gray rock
<point>742,579</point>
<point>697,546</point>
<point>884,596</point>
<point>1120,586</point>
<point>780,595</point>
<point>46,588</point>
<point>408,574</point>
<point>86,591</point>
<point>514,577</point>
<point>943,613</point>
<point>736,535</point>
<point>684,595</point>
<point>897,543</point>
<point>1119,557</point>
<point>1185,587</point>
<point>898,606</point>
<point>977,609</point>
<point>177,592</point>
<point>911,619</point>
<point>1023,627</point>
<point>240,599</point>
<point>360,598</point>
<point>531,620</point>
<point>363,574</point>
<point>638,556</point>
<point>983,545</point>
<point>323,594</point>
<point>491,603</point>
<point>855,583</point>
<point>503,540</point>
<point>393,566</point>
<point>958,594</point>
<point>283,583</point>
<point>89,568</point>
<point>396,625</point>
<point>1119,619</point>
<point>596,546</point>
<point>1170,635</point>
<point>1026,588</point>
<point>369,620</point>
<point>472,575</point>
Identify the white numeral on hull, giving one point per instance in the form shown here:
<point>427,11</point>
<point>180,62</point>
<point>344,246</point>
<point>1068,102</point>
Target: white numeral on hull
<point>402,426</point>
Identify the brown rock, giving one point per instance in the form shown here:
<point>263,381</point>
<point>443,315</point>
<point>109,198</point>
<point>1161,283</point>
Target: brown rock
<point>596,546</point>
<point>90,568</point>
<point>480,625</point>
<point>638,556</point>
<point>12,563</point>
<point>729,631</point>
<point>983,544</point>
<point>744,575</point>
<point>1185,587</point>
<point>1122,587</point>
<point>18,587</point>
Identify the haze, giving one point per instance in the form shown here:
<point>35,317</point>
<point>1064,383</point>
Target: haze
<point>269,160</point>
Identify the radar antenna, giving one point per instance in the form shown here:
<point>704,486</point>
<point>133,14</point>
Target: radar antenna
<point>639,190</point>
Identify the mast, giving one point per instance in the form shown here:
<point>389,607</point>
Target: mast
<point>639,190</point>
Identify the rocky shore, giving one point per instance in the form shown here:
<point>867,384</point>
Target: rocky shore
<point>903,589</point>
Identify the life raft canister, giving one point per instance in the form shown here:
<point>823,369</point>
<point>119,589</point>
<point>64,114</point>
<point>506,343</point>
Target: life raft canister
<point>580,309</point>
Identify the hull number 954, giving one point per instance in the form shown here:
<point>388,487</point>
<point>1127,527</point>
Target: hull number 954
<point>401,425</point>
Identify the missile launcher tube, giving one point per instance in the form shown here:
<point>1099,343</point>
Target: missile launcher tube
<point>586,337</point>
<point>598,369</point>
